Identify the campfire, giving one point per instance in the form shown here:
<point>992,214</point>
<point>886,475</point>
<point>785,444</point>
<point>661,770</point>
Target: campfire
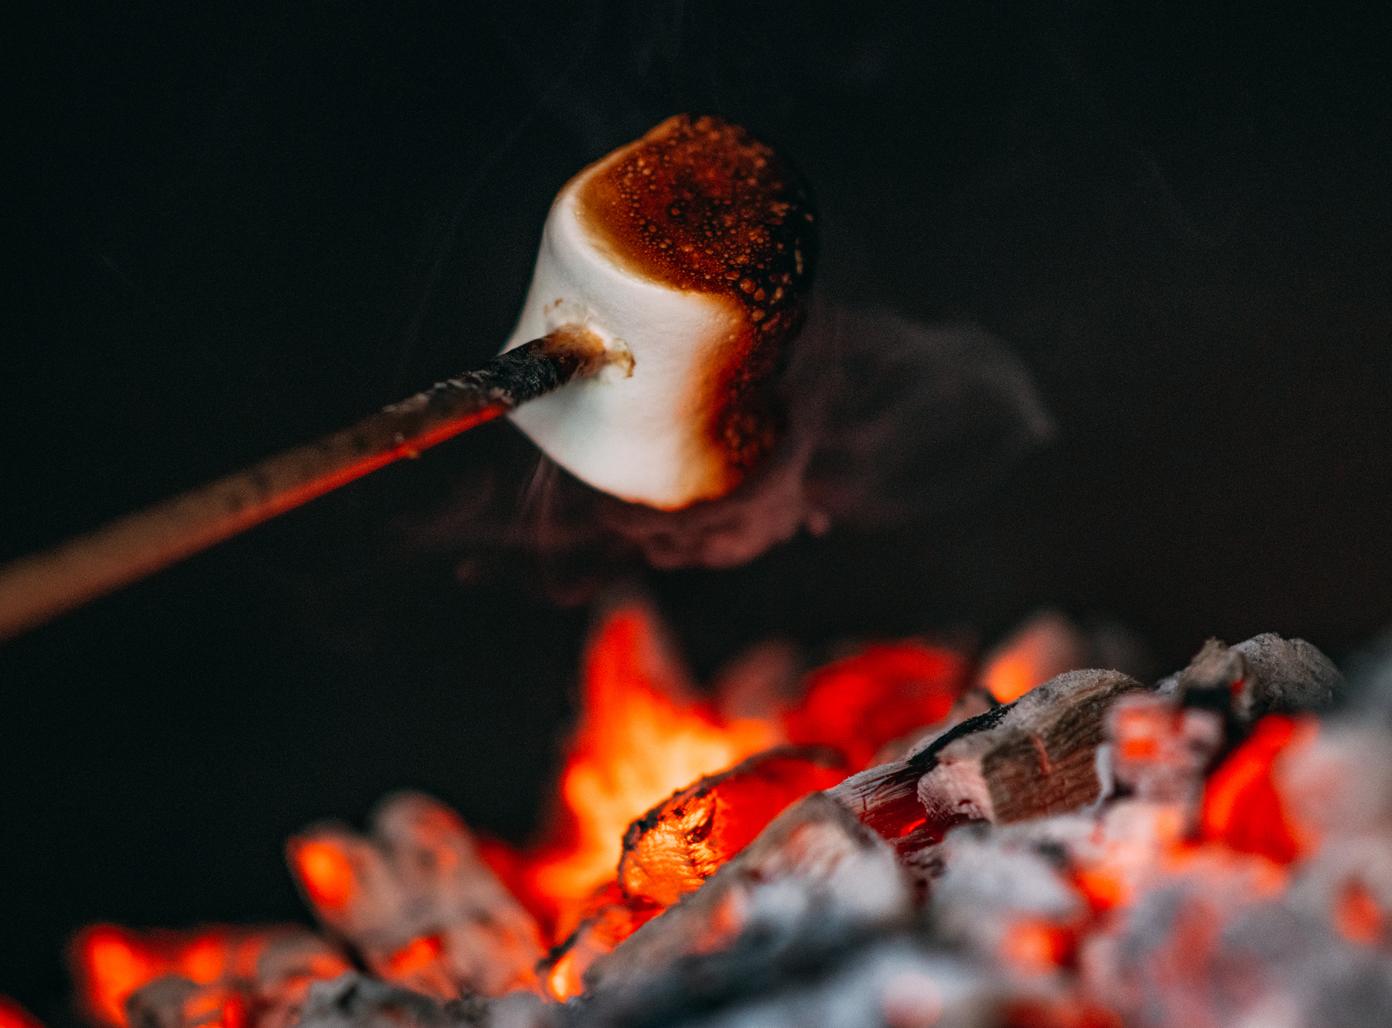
<point>909,834</point>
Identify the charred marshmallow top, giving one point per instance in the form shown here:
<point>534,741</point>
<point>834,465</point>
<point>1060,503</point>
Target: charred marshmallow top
<point>690,247</point>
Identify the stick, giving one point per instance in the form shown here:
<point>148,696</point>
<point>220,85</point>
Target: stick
<point>40,587</point>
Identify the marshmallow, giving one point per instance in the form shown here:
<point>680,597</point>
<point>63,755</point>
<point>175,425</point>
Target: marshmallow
<point>690,249</point>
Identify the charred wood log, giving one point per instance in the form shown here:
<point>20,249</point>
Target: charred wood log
<point>1033,757</point>
<point>1264,675</point>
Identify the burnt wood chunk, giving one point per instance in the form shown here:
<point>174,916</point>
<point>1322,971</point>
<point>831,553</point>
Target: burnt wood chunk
<point>268,970</point>
<point>1033,757</point>
<point>885,799</point>
<point>418,902</point>
<point>815,865</point>
<point>673,848</point>
<point>1264,675</point>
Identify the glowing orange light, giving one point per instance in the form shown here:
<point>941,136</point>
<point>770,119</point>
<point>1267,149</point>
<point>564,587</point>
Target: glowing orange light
<point>676,846</point>
<point>1358,916</point>
<point>1045,646</point>
<point>216,1009</point>
<point>111,967</point>
<point>325,871</point>
<point>111,963</point>
<point>563,981</point>
<point>607,920</point>
<point>12,1015</point>
<point>417,955</point>
<point>876,696</point>
<point>641,737</point>
<point>1036,945</point>
<point>1103,889</point>
<point>1242,806</point>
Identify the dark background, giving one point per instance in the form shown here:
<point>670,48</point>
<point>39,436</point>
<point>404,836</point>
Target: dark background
<point>232,232</point>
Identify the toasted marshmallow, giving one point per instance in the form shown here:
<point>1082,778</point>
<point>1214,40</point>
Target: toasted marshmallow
<point>689,249</point>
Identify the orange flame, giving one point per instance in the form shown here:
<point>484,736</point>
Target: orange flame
<point>325,871</point>
<point>641,737</point>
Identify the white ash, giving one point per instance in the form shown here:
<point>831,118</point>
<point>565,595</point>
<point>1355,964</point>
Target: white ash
<point>817,923</point>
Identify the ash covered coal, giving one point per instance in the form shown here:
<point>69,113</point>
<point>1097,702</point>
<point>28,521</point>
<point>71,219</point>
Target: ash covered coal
<point>1212,849</point>
<point>886,419</point>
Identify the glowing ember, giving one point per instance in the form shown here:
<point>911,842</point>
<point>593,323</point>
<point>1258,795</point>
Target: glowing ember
<point>12,1015</point>
<point>219,972</point>
<point>1242,806</point>
<point>1110,862</point>
<point>675,847</point>
<point>1035,945</point>
<point>326,872</point>
<point>876,696</point>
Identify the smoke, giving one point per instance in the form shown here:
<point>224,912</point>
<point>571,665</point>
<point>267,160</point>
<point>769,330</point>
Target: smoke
<point>888,420</point>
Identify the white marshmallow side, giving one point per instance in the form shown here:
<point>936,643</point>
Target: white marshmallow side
<point>644,438</point>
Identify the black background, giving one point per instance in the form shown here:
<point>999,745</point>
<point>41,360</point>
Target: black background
<point>235,230</point>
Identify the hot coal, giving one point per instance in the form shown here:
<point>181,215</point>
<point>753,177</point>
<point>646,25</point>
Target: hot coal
<point>1212,850</point>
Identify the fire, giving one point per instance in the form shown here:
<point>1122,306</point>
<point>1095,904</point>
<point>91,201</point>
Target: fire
<point>113,962</point>
<point>659,791</point>
<point>880,694</point>
<point>1358,916</point>
<point>325,871</point>
<point>641,737</point>
<point>1242,806</point>
<point>1036,945</point>
<point>12,1015</point>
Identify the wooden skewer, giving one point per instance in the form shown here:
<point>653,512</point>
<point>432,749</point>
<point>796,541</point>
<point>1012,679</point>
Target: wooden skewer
<point>37,588</point>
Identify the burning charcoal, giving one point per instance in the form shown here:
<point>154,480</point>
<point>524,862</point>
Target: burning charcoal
<point>885,796</point>
<point>1213,943</point>
<point>1033,757</point>
<point>1158,750</point>
<point>217,966</point>
<point>174,1002</point>
<point>1244,806</point>
<point>1341,783</point>
<point>672,849</point>
<point>354,1001</point>
<point>885,799</point>
<point>1264,675</point>
<point>814,866</point>
<point>882,693</point>
<point>1005,893</point>
<point>1348,887</point>
<point>613,919</point>
<point>643,734</point>
<point>418,902</point>
<point>289,966</point>
<point>824,980</point>
<point>12,1015</point>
